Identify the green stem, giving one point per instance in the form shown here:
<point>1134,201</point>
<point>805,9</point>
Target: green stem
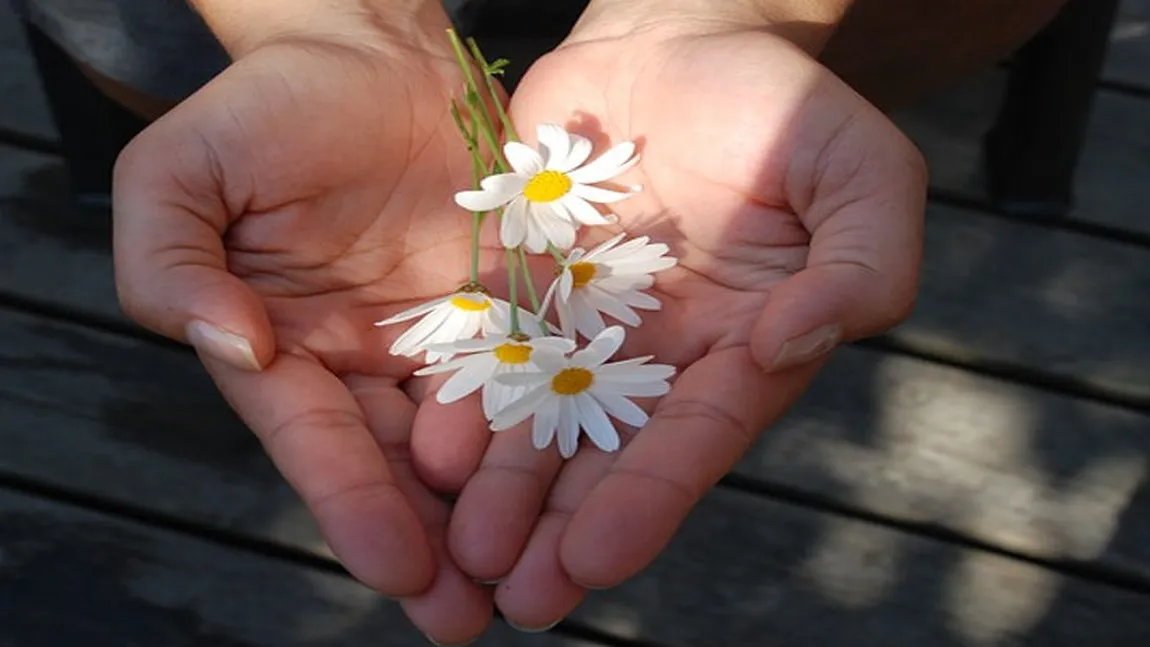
<point>513,291</point>
<point>489,81</point>
<point>557,254</point>
<point>527,281</point>
<point>487,126</point>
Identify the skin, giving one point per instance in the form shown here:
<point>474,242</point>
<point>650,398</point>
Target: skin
<point>306,193</point>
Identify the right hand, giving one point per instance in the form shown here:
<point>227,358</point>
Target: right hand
<point>269,220</point>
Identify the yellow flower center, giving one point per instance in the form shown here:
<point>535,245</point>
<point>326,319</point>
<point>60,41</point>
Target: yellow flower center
<point>470,305</point>
<point>513,353</point>
<point>572,381</point>
<point>547,186</point>
<point>582,273</point>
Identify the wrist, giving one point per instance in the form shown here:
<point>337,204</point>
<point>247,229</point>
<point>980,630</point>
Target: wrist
<point>808,24</point>
<point>245,25</point>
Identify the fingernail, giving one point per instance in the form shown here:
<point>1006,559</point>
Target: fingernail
<point>222,345</point>
<point>488,582</point>
<point>807,347</point>
<point>534,630</point>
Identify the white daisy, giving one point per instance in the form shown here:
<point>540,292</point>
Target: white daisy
<point>580,392</point>
<point>459,315</point>
<point>608,280</point>
<point>548,195</point>
<point>486,359</point>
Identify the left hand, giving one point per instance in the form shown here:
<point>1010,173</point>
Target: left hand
<point>796,211</point>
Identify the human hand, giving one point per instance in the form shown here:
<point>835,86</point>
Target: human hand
<point>269,220</point>
<point>795,209</point>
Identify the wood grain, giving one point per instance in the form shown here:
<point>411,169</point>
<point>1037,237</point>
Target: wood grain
<point>73,577</point>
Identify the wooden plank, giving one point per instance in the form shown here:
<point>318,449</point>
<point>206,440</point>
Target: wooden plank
<point>992,290</point>
<point>84,414</point>
<point>1016,467</point>
<point>23,107</point>
<point>72,577</point>
<point>1129,57</point>
<point>1110,186</point>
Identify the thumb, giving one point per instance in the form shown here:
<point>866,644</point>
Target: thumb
<point>171,269</point>
<point>862,270</point>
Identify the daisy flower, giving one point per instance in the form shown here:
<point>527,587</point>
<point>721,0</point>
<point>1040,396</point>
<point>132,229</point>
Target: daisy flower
<point>548,194</point>
<point>459,315</point>
<point>609,279</point>
<point>486,359</point>
<point>581,391</point>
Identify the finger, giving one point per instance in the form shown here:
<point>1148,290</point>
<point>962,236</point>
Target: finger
<point>448,440</point>
<point>317,436</point>
<point>697,432</point>
<point>497,509</point>
<point>539,592</point>
<point>454,609</point>
<point>171,272</point>
<point>861,275</point>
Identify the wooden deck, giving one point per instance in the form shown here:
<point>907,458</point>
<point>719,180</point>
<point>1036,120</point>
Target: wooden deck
<point>979,477</point>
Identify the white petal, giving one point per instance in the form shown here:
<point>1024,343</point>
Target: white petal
<point>412,313</point>
<point>521,409</point>
<point>580,151</point>
<point>566,284</point>
<point>633,389</point>
<point>641,301</point>
<point>566,318</point>
<point>523,158</point>
<point>587,319</point>
<point>609,305</point>
<point>491,392</point>
<point>496,321</point>
<point>447,367</point>
<point>583,212</point>
<point>560,233</point>
<point>513,225</point>
<point>408,344</point>
<point>557,344</point>
<point>568,427</point>
<point>548,360</point>
<point>596,194</point>
<point>600,349</point>
<point>535,241</point>
<point>556,143</point>
<point>546,420</point>
<point>620,372</point>
<point>467,345</point>
<point>614,162</point>
<point>615,281</point>
<point>627,249</point>
<point>643,267</point>
<point>461,325</point>
<point>620,407</point>
<point>468,380</point>
<point>605,246</point>
<point>525,378</point>
<point>547,296</point>
<point>553,209</point>
<point>594,420</point>
<point>486,200</point>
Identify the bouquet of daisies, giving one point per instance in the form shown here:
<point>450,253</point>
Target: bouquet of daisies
<point>525,365</point>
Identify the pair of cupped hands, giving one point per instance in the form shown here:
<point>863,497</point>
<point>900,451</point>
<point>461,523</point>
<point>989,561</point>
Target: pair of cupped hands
<point>306,192</point>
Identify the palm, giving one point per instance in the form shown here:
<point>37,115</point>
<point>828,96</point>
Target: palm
<point>739,179</point>
<point>337,172</point>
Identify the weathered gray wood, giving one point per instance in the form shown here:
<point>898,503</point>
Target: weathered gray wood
<point>82,411</point>
<point>746,572</point>
<point>23,107</point>
<point>1129,58</point>
<point>1111,186</point>
<point>71,577</point>
<point>1009,465</point>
